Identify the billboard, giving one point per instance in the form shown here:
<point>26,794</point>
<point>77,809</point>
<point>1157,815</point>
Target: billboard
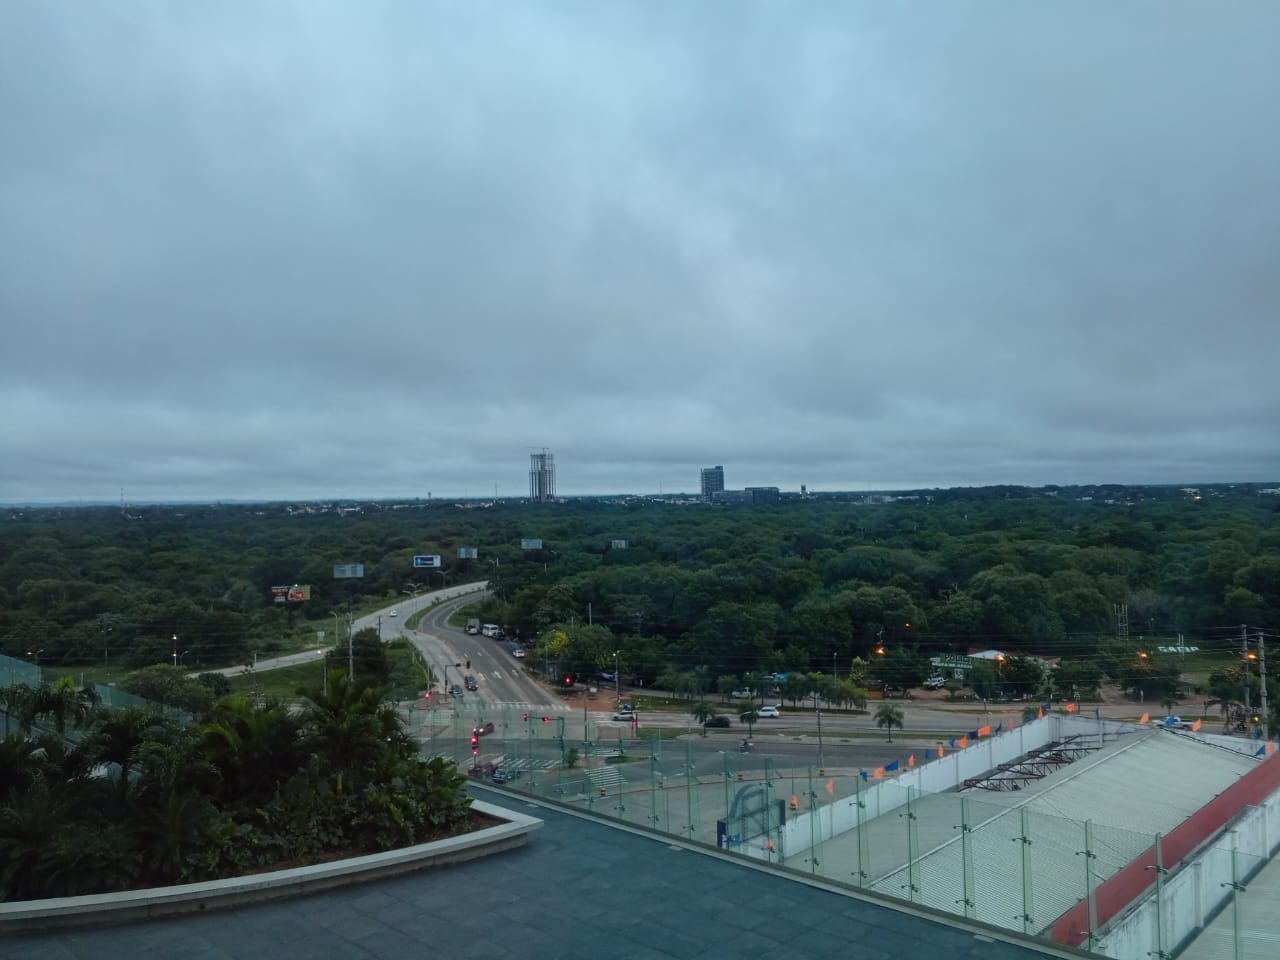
<point>468,553</point>
<point>291,594</point>
<point>427,561</point>
<point>346,570</point>
<point>530,544</point>
<point>618,544</point>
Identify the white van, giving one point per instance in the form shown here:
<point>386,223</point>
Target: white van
<point>489,629</point>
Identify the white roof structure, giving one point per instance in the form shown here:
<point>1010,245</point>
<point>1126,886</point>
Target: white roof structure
<point>1017,859</point>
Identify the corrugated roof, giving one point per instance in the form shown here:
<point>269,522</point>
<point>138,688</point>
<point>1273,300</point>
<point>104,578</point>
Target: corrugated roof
<point>1179,774</point>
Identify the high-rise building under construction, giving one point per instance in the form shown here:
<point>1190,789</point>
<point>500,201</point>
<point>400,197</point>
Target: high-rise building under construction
<point>542,476</point>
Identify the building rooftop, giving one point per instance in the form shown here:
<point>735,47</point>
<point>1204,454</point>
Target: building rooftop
<point>580,889</point>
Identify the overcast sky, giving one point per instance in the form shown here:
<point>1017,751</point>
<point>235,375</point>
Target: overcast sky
<point>361,249</point>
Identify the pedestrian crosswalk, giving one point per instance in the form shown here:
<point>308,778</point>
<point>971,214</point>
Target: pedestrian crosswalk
<point>523,707</point>
<point>522,763</point>
<point>604,777</point>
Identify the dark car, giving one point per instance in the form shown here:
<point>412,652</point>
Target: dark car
<point>470,681</point>
<point>482,729</point>
<point>505,775</point>
<point>719,721</point>
<point>456,691</point>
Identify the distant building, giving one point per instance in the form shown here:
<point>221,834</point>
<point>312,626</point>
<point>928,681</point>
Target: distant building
<point>712,482</point>
<point>762,494</point>
<point>542,476</point>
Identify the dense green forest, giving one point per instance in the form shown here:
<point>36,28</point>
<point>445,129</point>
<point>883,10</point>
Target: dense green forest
<point>727,590</point>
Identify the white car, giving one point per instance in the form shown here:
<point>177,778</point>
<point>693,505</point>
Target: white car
<point>391,614</point>
<point>767,711</point>
<point>518,653</point>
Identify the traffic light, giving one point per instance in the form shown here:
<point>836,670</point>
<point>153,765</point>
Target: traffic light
<point>546,719</point>
<point>526,718</point>
<point>568,681</point>
<point>426,694</point>
<point>475,744</point>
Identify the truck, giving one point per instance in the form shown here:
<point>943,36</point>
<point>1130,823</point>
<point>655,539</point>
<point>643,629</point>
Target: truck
<point>473,626</point>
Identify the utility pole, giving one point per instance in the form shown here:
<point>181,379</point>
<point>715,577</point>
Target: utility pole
<point>590,621</point>
<point>1262,676</point>
<point>821,765</point>
<point>351,655</point>
<point>1244,656</point>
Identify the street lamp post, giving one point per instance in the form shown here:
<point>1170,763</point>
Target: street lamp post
<point>175,649</point>
<point>617,691</point>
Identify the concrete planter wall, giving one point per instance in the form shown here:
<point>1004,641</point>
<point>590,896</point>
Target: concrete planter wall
<point>132,905</point>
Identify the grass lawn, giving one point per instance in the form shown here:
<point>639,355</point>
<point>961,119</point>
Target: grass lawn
<point>408,679</point>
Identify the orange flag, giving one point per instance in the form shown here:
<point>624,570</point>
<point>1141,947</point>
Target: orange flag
<point>962,742</point>
<point>911,760</point>
<point>878,773</point>
<point>1040,713</point>
<point>984,731</point>
<point>1271,748</point>
<point>831,787</point>
<point>1196,725</point>
<point>1145,718</point>
<point>939,751</point>
<point>1070,708</point>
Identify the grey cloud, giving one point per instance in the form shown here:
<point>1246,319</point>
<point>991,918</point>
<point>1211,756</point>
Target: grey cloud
<point>310,248</point>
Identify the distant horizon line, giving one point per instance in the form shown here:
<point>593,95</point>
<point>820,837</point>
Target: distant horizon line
<point>393,498</point>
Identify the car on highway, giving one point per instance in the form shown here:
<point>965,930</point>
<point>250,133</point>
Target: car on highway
<point>470,681</point>
<point>505,775</point>
<point>717,721</point>
<point>625,712</point>
<point>456,690</point>
<point>482,729</point>
<point>767,711</point>
<point>518,653</point>
<point>936,682</point>
<point>391,614</point>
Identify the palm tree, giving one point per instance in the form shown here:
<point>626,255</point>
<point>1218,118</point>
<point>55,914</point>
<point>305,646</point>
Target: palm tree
<point>889,716</point>
<point>173,816</point>
<point>702,712</point>
<point>345,730</point>
<point>255,747</point>
<point>116,735</point>
<point>65,703</point>
<point>749,717</point>
<point>18,702</point>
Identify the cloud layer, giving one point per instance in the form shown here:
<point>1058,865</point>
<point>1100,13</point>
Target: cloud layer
<point>383,249</point>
